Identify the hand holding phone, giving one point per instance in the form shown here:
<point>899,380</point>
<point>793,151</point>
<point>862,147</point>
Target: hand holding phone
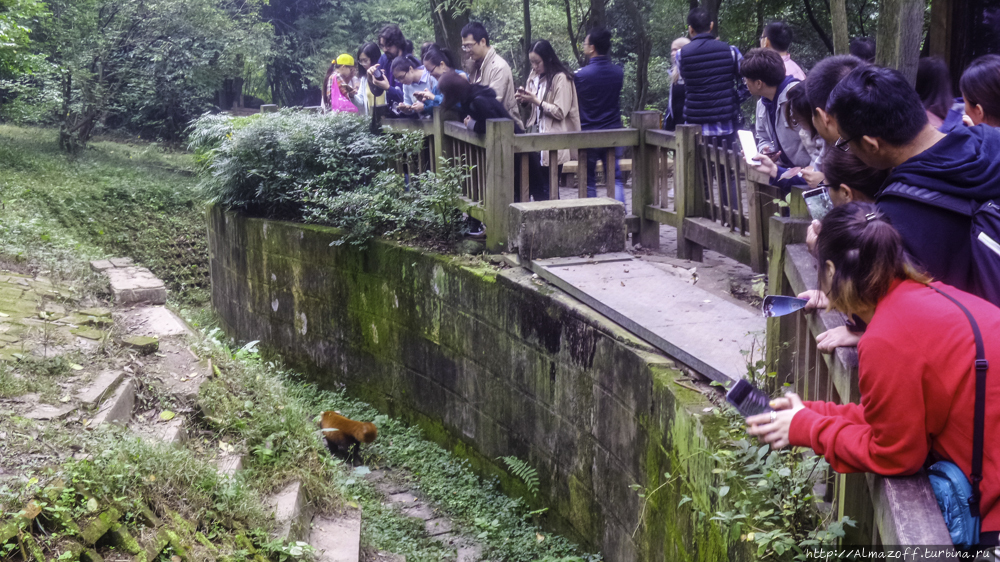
<point>818,202</point>
<point>749,145</point>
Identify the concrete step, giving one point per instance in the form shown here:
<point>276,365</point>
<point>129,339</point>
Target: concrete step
<point>291,512</point>
<point>337,538</point>
<point>117,409</point>
<point>131,284</point>
<point>100,388</point>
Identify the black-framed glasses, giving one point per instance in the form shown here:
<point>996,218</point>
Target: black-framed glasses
<point>843,144</point>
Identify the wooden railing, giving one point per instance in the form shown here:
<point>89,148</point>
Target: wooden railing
<point>889,511</point>
<point>669,174</point>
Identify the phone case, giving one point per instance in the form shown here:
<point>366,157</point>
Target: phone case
<point>748,400</point>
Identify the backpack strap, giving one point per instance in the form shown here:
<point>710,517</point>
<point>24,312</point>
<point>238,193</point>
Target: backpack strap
<point>960,205</point>
<point>979,418</point>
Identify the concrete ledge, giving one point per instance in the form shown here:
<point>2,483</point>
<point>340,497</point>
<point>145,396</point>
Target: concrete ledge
<point>118,409</point>
<point>291,512</point>
<point>100,388</point>
<point>567,227</point>
<point>338,539</point>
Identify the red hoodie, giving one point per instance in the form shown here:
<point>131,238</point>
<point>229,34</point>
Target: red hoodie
<point>917,379</point>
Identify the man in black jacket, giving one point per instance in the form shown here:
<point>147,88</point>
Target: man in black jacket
<point>599,90</point>
<point>714,88</point>
<point>711,72</point>
<point>881,120</point>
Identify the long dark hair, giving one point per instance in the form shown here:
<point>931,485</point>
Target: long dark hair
<point>934,86</point>
<point>439,55</point>
<point>867,254</point>
<point>845,168</point>
<point>798,110</point>
<point>371,51</point>
<point>980,85</point>
<point>553,65</point>
<point>326,84</point>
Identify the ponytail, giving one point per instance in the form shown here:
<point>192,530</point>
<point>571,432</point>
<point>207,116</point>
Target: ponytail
<point>867,254</point>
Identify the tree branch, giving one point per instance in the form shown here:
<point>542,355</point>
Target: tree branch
<point>569,31</point>
<point>817,26</point>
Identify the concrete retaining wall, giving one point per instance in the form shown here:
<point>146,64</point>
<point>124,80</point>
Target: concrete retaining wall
<point>489,364</point>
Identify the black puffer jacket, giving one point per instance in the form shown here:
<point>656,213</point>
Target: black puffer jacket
<point>711,76</point>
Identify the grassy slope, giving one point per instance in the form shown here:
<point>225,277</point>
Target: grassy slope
<point>139,201</point>
<point>114,199</point>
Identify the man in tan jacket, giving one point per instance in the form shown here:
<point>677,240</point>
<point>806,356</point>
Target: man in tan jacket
<point>490,68</point>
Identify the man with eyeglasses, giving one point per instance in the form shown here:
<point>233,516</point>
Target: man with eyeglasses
<point>936,180</point>
<point>490,68</point>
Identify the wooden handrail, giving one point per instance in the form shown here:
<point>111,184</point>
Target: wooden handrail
<point>532,142</point>
<point>459,131</point>
<point>659,137</point>
<point>425,126</point>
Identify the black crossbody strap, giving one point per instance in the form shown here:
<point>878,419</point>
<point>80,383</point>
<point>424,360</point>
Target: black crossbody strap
<point>980,409</point>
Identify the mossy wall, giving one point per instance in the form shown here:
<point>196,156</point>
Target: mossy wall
<point>490,363</point>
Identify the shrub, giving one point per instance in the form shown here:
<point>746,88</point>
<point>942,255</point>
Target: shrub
<point>271,163</point>
<point>326,169</point>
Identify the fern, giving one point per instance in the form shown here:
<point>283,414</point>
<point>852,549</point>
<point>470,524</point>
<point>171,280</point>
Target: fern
<point>523,471</point>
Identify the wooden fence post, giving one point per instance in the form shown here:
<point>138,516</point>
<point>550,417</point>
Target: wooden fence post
<point>781,330</point>
<point>499,185</point>
<point>688,192</point>
<point>437,138</point>
<point>643,178</point>
<point>758,225</point>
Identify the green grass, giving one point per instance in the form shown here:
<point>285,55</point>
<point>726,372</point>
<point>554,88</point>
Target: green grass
<point>113,199</point>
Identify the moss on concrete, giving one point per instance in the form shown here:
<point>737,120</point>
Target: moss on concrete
<point>488,364</point>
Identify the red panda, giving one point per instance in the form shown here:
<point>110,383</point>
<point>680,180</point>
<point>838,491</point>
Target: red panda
<point>343,433</point>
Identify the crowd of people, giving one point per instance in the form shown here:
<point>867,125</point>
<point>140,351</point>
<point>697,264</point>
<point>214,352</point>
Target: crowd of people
<point>910,253</point>
<point>389,77</point>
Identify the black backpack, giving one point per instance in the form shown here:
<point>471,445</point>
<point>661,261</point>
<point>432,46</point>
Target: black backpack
<point>984,232</point>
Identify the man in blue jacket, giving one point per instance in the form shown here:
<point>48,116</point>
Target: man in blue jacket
<point>599,90</point>
<point>881,120</point>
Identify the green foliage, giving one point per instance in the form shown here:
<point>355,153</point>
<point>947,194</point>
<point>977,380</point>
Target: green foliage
<point>114,199</point>
<point>15,18</point>
<point>384,207</point>
<point>524,471</point>
<point>271,164</point>
<point>148,67</point>
<point>326,169</point>
<point>770,496</point>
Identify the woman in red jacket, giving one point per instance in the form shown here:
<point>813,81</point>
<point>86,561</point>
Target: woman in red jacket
<point>915,365</point>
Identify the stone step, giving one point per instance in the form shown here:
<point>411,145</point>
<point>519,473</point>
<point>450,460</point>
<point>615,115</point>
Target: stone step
<point>229,465</point>
<point>131,284</point>
<point>291,512</point>
<point>117,409</point>
<point>337,538</point>
<point>100,388</point>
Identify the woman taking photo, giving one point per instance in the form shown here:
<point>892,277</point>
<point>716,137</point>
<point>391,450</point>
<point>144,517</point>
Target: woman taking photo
<point>916,365</point>
<point>365,99</point>
<point>551,93</point>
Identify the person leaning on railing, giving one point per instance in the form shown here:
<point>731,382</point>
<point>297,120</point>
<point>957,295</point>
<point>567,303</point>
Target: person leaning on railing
<point>916,365</point>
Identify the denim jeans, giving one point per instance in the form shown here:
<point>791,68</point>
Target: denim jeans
<point>595,154</point>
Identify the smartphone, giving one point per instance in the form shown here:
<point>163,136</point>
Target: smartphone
<point>818,202</point>
<point>749,144</point>
<point>748,400</point>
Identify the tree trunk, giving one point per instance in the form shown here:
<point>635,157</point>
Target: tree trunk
<point>900,29</point>
<point>598,14</point>
<point>574,38</point>
<point>527,38</point>
<point>636,11</point>
<point>713,7</point>
<point>838,19</point>
<point>819,28</point>
<point>448,25</point>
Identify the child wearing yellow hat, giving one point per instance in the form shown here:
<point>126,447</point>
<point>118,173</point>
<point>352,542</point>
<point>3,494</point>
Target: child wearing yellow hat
<point>342,84</point>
